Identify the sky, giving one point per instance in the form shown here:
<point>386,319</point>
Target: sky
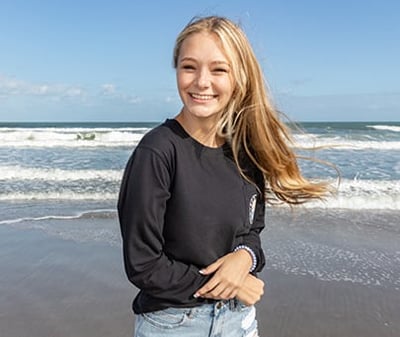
<point>98,60</point>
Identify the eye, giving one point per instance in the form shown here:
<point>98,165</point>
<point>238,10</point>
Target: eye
<point>220,70</point>
<point>188,67</point>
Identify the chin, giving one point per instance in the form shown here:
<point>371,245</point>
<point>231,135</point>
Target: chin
<point>202,112</point>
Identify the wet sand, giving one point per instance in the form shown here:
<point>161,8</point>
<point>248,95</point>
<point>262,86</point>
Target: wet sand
<point>301,306</point>
<point>55,287</point>
<point>50,287</point>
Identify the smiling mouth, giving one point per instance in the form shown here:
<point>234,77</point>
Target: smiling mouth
<point>202,97</point>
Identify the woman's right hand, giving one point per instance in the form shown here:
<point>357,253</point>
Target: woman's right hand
<point>251,290</point>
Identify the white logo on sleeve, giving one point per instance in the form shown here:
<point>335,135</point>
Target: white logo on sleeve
<point>252,208</point>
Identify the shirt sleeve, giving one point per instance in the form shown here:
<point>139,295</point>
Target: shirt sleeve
<point>145,190</point>
<point>252,239</point>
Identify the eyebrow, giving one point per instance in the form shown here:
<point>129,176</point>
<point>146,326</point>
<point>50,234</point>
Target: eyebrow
<point>188,58</point>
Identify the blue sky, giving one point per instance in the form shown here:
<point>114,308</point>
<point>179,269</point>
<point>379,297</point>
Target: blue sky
<point>111,60</point>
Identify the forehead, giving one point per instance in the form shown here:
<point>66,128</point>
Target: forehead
<point>203,46</point>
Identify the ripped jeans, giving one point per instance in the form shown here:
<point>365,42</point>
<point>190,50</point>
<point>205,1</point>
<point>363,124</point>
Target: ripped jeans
<point>222,319</point>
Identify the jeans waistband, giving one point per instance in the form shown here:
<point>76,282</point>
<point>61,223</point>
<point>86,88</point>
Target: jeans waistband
<point>232,305</point>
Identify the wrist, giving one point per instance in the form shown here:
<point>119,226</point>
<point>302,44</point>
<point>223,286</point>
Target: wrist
<point>251,253</point>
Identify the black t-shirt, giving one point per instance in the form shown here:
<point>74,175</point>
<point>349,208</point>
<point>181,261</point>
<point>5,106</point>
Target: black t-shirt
<point>182,206</point>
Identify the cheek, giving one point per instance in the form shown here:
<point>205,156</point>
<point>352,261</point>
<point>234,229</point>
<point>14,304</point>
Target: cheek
<point>183,80</point>
<point>226,87</point>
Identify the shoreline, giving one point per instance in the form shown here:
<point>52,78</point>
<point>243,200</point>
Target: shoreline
<point>52,286</point>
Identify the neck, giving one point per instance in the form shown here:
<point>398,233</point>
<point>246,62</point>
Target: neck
<point>201,129</point>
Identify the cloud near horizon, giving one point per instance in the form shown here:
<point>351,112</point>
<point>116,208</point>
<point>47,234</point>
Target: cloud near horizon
<point>108,101</point>
<point>10,86</point>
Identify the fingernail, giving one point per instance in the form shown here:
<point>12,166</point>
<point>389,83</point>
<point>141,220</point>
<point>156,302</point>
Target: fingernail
<point>201,271</point>
<point>196,295</point>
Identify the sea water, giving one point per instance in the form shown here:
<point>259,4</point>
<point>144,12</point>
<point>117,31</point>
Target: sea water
<point>64,178</point>
<point>85,162</point>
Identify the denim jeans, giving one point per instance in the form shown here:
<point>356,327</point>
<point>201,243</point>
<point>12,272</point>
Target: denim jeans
<point>221,319</point>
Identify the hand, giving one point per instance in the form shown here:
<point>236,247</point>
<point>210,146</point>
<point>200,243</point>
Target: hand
<point>230,272</point>
<point>251,290</point>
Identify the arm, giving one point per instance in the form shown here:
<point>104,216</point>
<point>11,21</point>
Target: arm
<point>252,239</point>
<point>142,203</point>
<point>231,270</point>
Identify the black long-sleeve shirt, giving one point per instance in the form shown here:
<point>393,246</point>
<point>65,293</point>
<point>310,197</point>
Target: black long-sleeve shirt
<point>182,206</point>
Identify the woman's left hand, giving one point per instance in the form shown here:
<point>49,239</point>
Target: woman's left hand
<point>230,272</point>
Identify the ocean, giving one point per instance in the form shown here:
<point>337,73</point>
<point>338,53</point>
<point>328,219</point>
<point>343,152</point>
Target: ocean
<point>63,179</point>
<point>41,163</point>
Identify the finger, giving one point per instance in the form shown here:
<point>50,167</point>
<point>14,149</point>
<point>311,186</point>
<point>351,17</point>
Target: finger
<point>228,294</point>
<point>220,292</point>
<point>209,286</point>
<point>211,268</point>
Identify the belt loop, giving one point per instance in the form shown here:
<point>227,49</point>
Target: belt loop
<point>219,305</point>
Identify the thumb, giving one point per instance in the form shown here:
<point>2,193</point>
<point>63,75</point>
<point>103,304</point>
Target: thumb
<point>212,268</point>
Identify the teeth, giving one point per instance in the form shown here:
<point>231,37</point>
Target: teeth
<point>204,97</point>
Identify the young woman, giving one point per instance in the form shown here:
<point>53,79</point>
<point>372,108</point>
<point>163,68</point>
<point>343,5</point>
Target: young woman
<point>192,199</point>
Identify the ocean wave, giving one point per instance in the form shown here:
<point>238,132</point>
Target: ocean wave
<point>62,196</point>
<point>312,141</point>
<point>351,194</point>
<point>120,137</point>
<point>363,194</point>
<point>97,225</point>
<point>70,137</point>
<point>98,213</point>
<point>54,174</point>
<point>393,128</point>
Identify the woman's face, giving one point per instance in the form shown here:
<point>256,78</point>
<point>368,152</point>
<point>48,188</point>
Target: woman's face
<point>204,76</point>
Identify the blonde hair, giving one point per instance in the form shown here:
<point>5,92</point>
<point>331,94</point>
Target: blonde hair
<point>250,122</point>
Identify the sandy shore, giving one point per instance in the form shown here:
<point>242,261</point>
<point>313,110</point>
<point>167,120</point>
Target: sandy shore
<point>50,287</point>
<point>54,287</point>
<point>301,306</point>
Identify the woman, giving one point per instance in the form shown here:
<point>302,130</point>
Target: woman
<point>192,199</point>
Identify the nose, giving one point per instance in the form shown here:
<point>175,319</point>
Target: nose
<point>203,79</point>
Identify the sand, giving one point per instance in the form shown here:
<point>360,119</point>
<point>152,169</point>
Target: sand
<point>53,287</point>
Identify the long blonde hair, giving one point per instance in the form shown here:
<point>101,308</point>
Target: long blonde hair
<point>250,122</point>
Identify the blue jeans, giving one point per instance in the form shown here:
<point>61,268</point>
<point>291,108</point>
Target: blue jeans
<point>223,319</point>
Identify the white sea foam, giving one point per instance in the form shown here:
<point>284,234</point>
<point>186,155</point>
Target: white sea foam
<point>363,194</point>
<point>352,194</point>
<point>393,128</point>
<point>70,137</point>
<point>62,195</point>
<point>54,174</point>
<point>89,213</point>
<point>115,137</point>
<point>96,226</point>
<point>368,267</point>
<point>314,141</point>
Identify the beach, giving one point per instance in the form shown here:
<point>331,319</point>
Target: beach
<point>53,285</point>
<point>332,269</point>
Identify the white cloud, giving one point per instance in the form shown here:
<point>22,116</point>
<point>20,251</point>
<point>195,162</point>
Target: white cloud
<point>134,99</point>
<point>74,92</point>
<point>109,90</point>
<point>14,87</point>
<point>11,86</point>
